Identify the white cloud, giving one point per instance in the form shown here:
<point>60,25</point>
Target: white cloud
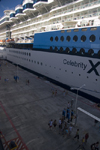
<point>7,8</point>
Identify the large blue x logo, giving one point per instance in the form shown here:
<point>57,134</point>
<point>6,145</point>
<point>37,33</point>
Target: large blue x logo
<point>94,67</point>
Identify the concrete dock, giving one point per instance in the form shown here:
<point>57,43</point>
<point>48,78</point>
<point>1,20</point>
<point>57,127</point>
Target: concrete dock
<point>26,109</point>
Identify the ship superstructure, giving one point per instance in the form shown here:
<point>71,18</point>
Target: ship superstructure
<point>41,16</point>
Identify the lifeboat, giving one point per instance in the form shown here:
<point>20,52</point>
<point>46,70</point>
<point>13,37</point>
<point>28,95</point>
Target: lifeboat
<point>8,40</point>
<point>11,39</point>
<point>2,42</point>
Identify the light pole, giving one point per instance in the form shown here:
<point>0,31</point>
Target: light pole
<point>72,88</point>
<point>17,74</point>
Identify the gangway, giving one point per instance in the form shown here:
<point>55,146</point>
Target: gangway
<point>89,114</point>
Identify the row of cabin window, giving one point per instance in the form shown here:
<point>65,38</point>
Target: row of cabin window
<point>74,50</point>
<point>92,38</point>
<point>18,52</point>
<point>20,46</point>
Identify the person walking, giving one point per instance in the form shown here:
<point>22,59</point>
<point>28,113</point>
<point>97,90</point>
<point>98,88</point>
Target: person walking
<point>97,146</point>
<point>95,122</point>
<point>70,130</point>
<point>52,90</point>
<point>83,141</point>
<point>81,146</point>
<point>77,134</point>
<point>55,124</point>
<point>68,111</point>
<point>55,92</point>
<point>86,137</point>
<point>63,129</point>
<point>28,82</point>
<point>72,115</point>
<point>50,124</point>
<point>64,113</point>
<point>68,117</point>
<point>68,105</point>
<point>72,101</point>
<point>93,146</point>
<point>60,125</point>
<point>67,131</point>
<point>64,93</point>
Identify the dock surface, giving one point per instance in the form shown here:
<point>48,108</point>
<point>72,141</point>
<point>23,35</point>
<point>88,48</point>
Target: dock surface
<point>26,109</point>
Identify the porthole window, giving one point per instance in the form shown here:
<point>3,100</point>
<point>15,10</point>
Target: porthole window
<point>27,53</point>
<point>56,38</point>
<point>38,63</point>
<point>74,50</point>
<point>92,38</point>
<point>62,38</point>
<point>82,51</point>
<point>61,49</point>
<point>91,52</point>
<point>51,48</point>
<point>83,38</point>
<point>99,53</point>
<point>56,49</point>
<point>67,50</point>
<point>96,79</point>
<point>75,38</point>
<point>41,63</point>
<point>51,39</point>
<point>68,38</point>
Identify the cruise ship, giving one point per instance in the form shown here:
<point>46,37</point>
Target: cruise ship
<point>56,39</point>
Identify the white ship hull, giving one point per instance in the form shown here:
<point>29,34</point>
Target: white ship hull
<point>69,70</point>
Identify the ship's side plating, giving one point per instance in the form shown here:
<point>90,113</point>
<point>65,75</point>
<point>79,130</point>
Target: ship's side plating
<point>68,57</point>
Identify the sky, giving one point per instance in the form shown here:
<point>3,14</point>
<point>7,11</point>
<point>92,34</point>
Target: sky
<point>8,5</point>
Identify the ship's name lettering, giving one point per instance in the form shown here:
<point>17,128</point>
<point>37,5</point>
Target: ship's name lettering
<point>75,64</point>
<point>94,67</point>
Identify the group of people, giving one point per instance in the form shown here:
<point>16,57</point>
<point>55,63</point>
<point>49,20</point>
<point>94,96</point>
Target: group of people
<point>54,92</point>
<point>65,128</point>
<point>95,146</point>
<point>68,114</point>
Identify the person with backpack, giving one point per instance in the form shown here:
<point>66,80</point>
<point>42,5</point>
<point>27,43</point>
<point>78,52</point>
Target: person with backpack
<point>77,134</point>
